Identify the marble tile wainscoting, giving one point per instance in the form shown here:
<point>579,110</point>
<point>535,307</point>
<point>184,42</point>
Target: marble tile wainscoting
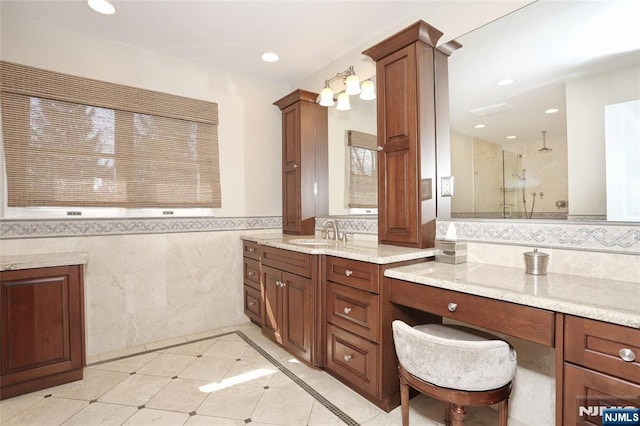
<point>147,279</point>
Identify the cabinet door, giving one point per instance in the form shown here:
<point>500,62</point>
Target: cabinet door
<point>297,315</point>
<point>398,160</point>
<point>272,313</point>
<point>42,331</point>
<point>291,170</point>
<point>585,391</point>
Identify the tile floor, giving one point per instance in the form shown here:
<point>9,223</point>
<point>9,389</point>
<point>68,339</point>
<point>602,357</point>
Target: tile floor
<point>231,379</point>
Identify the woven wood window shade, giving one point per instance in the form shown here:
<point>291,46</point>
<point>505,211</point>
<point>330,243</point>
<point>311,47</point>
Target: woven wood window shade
<point>363,169</point>
<point>76,142</point>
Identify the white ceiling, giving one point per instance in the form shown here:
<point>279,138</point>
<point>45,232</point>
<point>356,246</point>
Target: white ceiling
<point>232,35</point>
<point>545,41</point>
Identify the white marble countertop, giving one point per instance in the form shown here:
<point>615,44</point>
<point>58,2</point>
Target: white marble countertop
<point>364,250</point>
<point>45,260</point>
<point>599,299</point>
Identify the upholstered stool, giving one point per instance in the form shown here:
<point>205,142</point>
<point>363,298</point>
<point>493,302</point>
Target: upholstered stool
<point>457,365</point>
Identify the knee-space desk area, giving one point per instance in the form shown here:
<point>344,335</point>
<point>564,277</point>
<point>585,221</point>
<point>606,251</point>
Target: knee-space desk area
<point>593,324</point>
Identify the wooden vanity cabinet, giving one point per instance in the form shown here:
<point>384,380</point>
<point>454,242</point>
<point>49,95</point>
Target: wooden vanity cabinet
<point>412,85</point>
<point>601,368</point>
<point>359,341</point>
<point>289,315</point>
<point>253,302</point>
<point>305,154</point>
<point>42,331</point>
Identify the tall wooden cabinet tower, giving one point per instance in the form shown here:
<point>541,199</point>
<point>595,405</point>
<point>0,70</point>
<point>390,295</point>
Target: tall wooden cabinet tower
<point>413,131</point>
<point>305,192</point>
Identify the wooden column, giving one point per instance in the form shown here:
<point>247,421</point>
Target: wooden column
<point>413,133</point>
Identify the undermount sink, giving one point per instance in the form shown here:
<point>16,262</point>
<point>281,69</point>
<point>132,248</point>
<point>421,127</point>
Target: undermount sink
<point>310,242</point>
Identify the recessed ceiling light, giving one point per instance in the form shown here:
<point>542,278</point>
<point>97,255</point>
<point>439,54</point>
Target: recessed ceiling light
<point>551,111</point>
<point>102,6</point>
<point>270,57</point>
<point>504,82</point>
<point>479,126</point>
<point>511,137</point>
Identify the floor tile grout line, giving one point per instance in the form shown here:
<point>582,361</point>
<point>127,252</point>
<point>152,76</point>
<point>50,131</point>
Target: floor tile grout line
<point>163,348</point>
<point>304,385</point>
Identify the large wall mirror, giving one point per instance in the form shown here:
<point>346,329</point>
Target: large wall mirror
<point>360,118</point>
<point>528,95</point>
<point>573,56</point>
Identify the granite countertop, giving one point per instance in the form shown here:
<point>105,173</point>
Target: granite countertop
<point>599,299</point>
<point>45,260</point>
<point>363,250</point>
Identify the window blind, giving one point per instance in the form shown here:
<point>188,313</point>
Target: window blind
<point>363,169</point>
<point>75,142</point>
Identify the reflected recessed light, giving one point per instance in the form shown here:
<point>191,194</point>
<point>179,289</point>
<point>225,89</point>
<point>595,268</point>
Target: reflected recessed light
<point>504,82</point>
<point>511,137</point>
<point>102,6</point>
<point>479,126</point>
<point>270,57</point>
<point>551,111</point>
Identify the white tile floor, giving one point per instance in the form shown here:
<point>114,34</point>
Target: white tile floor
<point>224,380</point>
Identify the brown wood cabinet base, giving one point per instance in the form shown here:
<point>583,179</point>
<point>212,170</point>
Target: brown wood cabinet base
<point>21,388</point>
<point>41,328</point>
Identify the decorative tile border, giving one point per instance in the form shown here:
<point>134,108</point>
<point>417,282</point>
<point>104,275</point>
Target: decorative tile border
<point>577,235</point>
<point>598,236</point>
<point>10,229</point>
<point>356,224</point>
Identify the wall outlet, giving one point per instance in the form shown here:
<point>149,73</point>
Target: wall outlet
<point>446,186</point>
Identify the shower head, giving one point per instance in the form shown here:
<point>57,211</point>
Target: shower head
<point>544,143</point>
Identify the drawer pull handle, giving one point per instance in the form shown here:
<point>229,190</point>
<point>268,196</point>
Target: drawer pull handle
<point>627,355</point>
<point>251,249</point>
<point>252,303</point>
<point>452,307</point>
<point>347,358</point>
<point>251,273</point>
<point>348,272</point>
<point>347,310</point>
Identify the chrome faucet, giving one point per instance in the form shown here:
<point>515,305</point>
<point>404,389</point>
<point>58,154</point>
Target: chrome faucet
<point>330,225</point>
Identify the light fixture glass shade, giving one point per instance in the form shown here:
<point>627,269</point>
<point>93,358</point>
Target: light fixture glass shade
<point>353,85</point>
<point>326,97</point>
<point>368,90</point>
<point>343,102</point>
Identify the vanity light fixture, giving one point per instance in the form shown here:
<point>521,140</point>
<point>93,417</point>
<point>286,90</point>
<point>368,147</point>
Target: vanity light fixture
<point>479,126</point>
<point>551,111</point>
<point>102,6</point>
<point>511,137</point>
<point>352,87</point>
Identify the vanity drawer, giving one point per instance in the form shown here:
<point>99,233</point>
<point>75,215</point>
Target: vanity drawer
<point>353,358</point>
<point>354,310</point>
<point>251,250</point>
<point>251,273</point>
<point>287,260</point>
<point>602,346</point>
<point>533,324</point>
<point>353,273</point>
<point>252,305</point>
